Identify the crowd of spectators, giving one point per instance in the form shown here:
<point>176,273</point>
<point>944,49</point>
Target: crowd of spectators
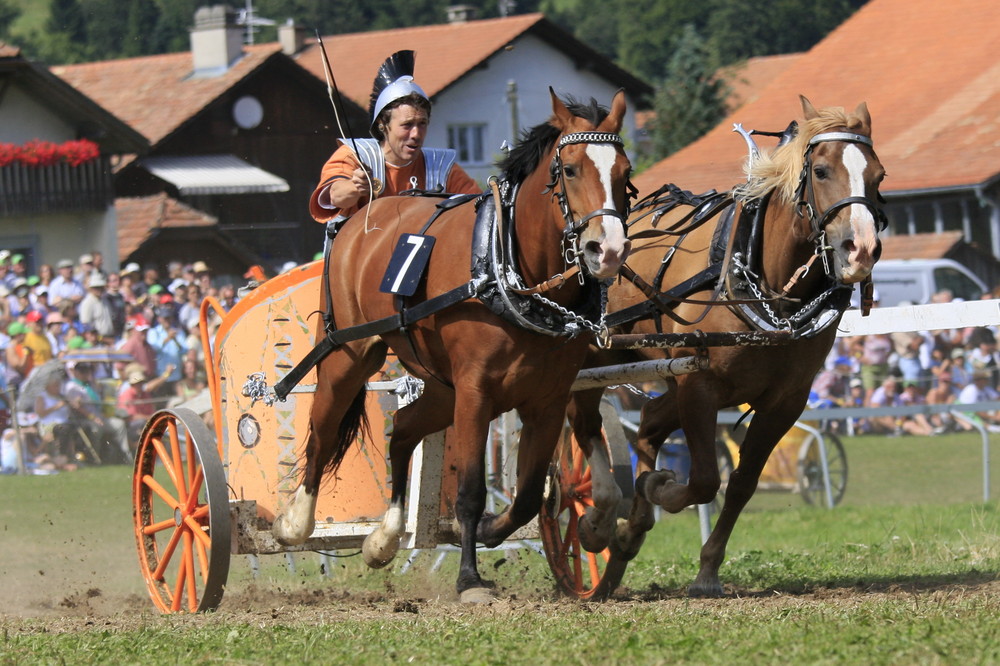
<point>953,366</point>
<point>56,380</point>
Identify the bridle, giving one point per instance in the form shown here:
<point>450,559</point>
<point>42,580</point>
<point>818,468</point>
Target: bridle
<point>805,198</point>
<point>571,232</point>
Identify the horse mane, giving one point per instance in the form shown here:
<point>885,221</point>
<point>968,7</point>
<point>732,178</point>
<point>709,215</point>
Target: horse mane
<point>780,170</point>
<point>535,143</point>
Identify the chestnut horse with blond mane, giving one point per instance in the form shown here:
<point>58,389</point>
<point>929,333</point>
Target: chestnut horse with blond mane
<point>803,230</point>
<point>497,343</point>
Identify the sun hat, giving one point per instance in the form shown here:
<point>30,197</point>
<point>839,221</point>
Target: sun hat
<point>137,322</point>
<point>65,263</point>
<point>130,268</point>
<point>77,343</point>
<point>16,328</point>
<point>137,376</point>
<point>97,280</point>
<point>200,267</point>
<point>86,258</point>
<point>33,316</point>
<point>155,289</point>
<point>54,318</point>
<point>16,259</point>
<point>32,280</point>
<point>4,256</point>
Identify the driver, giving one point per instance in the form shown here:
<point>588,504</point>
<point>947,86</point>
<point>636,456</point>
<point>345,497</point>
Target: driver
<point>395,159</point>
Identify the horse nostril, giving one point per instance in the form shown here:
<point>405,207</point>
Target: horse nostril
<point>592,247</point>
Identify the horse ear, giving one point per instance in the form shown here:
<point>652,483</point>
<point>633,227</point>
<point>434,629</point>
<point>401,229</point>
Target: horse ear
<point>808,109</point>
<point>613,123</point>
<point>866,119</point>
<point>560,113</point>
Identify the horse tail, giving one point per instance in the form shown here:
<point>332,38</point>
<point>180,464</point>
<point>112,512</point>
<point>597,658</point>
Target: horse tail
<point>354,423</point>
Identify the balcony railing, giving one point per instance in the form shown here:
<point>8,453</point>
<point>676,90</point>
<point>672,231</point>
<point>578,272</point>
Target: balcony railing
<point>58,188</point>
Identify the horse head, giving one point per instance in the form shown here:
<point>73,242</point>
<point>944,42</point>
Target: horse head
<point>838,188</point>
<point>589,178</point>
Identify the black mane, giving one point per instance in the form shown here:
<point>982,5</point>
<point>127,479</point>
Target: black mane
<point>535,143</point>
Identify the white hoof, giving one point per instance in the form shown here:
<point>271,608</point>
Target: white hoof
<point>377,550</point>
<point>289,535</point>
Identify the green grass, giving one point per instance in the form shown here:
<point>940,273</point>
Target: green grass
<point>905,571</point>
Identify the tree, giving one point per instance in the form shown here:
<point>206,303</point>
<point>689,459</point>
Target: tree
<point>8,14</point>
<point>690,100</point>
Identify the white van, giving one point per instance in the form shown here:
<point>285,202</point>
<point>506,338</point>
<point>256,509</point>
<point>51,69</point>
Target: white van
<point>916,280</point>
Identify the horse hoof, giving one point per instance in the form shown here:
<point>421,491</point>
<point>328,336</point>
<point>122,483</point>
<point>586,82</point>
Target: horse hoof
<point>705,590</point>
<point>591,540</point>
<point>477,595</point>
<point>284,535</point>
<point>625,546</point>
<point>375,555</point>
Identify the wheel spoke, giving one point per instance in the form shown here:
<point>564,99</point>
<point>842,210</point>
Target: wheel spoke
<point>164,458</point>
<point>175,451</point>
<point>168,554</point>
<point>161,492</point>
<point>192,591</point>
<point>154,528</point>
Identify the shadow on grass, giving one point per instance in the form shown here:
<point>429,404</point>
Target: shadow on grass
<point>853,585</point>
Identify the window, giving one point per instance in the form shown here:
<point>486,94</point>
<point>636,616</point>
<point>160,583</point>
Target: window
<point>467,140</point>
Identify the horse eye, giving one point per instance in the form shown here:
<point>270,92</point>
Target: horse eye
<point>569,172</point>
<point>821,172</point>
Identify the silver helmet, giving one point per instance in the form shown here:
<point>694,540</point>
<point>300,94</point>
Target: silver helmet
<point>393,81</point>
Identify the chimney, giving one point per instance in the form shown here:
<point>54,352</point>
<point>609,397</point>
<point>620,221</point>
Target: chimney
<point>216,40</point>
<point>291,37</point>
<point>461,13</point>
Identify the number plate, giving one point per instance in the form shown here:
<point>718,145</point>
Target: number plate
<point>409,260</point>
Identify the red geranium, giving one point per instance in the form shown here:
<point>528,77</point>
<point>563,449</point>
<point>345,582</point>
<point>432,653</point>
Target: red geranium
<point>46,153</point>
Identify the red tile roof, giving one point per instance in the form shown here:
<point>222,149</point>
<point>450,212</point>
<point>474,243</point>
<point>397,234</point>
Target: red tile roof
<point>920,246</point>
<point>8,51</point>
<point>355,57</point>
<point>930,72</point>
<point>156,94</point>
<point>141,217</point>
<point>749,78</point>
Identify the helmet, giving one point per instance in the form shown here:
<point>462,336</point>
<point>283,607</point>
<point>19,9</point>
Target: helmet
<point>393,81</point>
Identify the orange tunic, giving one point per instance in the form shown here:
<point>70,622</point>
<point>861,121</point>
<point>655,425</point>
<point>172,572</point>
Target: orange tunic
<point>343,162</point>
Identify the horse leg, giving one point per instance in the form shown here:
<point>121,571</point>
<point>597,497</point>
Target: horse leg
<point>765,430</point>
<point>340,392</point>
<point>540,432</point>
<point>596,527</point>
<point>472,421</point>
<point>659,419</point>
<point>429,413</point>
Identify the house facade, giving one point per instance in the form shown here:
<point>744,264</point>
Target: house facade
<point>931,79</point>
<point>488,79</point>
<point>57,149</point>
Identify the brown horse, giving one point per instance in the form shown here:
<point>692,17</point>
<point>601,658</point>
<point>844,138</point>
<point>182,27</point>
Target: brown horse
<point>505,348</point>
<point>811,214</point>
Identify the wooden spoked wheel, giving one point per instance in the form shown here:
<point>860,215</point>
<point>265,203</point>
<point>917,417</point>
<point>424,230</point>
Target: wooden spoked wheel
<point>810,479</point>
<point>181,513</point>
<point>579,573</point>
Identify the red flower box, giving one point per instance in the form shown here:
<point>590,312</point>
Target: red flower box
<point>46,153</point>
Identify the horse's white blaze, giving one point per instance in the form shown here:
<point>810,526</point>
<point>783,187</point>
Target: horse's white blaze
<point>614,244</point>
<point>865,238</point>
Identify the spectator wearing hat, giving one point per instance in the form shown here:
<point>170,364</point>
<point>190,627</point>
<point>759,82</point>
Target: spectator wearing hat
<point>980,390</point>
<point>135,398</point>
<point>84,268</point>
<point>94,310</point>
<point>168,342</point>
<point>109,433</point>
<point>202,275</point>
<point>64,286</point>
<point>6,275</point>
<point>831,386</point>
<point>54,331</point>
<point>137,345</point>
<point>19,267</point>
<point>19,360</point>
<point>19,301</point>
<point>36,340</point>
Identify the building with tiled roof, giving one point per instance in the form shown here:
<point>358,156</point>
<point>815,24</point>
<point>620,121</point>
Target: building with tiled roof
<point>488,79</point>
<point>930,73</point>
<point>57,204</point>
<point>238,132</point>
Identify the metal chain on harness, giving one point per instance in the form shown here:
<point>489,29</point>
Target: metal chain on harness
<point>598,328</point>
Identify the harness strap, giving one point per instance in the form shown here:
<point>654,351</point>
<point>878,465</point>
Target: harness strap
<point>394,322</point>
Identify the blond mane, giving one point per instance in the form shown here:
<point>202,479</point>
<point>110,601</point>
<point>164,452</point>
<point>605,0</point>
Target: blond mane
<point>780,170</point>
